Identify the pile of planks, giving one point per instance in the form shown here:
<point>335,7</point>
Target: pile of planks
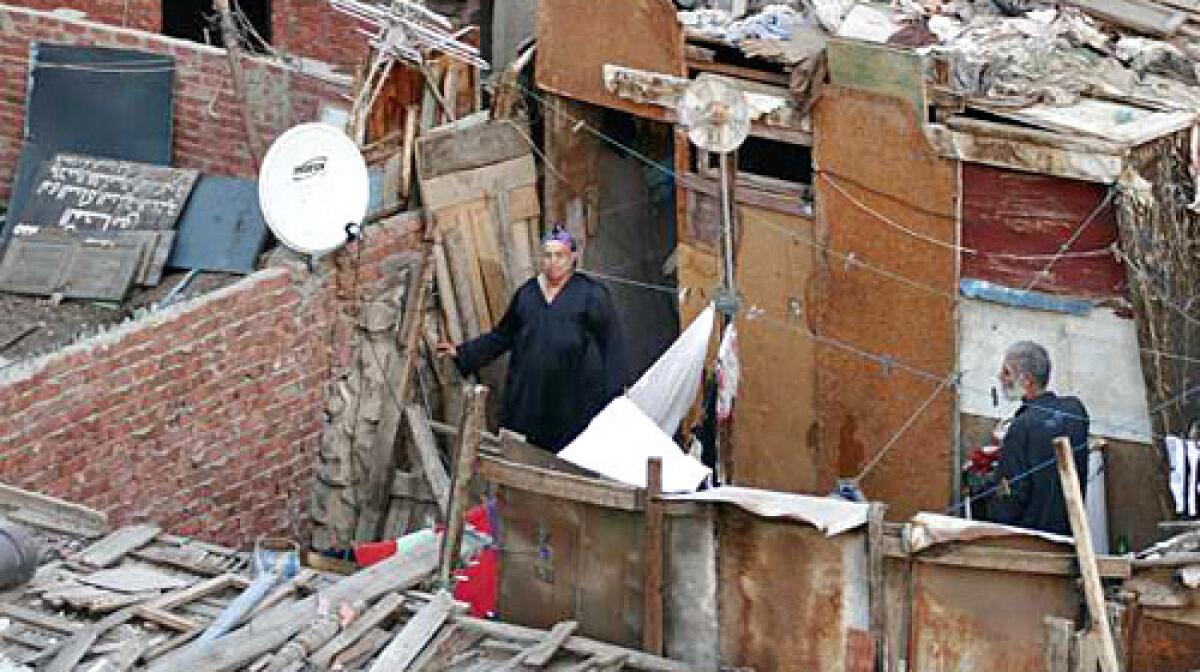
<point>137,598</point>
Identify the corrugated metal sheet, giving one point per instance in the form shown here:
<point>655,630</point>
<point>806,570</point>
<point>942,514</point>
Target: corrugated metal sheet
<point>1011,213</point>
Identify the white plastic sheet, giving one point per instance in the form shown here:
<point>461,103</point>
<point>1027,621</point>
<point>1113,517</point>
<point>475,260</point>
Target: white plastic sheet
<point>668,388</point>
<point>621,439</point>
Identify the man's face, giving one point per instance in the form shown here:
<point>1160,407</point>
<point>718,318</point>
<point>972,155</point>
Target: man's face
<point>1011,384</point>
<point>557,260</point>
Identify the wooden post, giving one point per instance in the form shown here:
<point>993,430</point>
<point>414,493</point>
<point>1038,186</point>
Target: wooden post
<point>229,30</point>
<point>474,405</point>
<point>652,616</point>
<point>878,604</point>
<point>1058,644</point>
<point>1093,591</point>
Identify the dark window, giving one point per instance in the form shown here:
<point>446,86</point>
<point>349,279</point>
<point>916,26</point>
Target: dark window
<point>197,20</point>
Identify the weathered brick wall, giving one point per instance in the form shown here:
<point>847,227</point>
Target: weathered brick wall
<point>310,28</point>
<point>204,418</point>
<point>140,14</point>
<point>209,132</point>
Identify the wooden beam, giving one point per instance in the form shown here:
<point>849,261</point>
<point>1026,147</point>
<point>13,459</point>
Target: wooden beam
<point>50,512</point>
<point>558,484</point>
<point>77,646</point>
<point>1058,644</point>
<point>412,638</point>
<point>426,452</point>
<point>1009,560</point>
<point>474,409</point>
<point>384,608</point>
<point>1093,591</point>
<point>652,556</point>
<point>878,608</point>
<point>109,550</point>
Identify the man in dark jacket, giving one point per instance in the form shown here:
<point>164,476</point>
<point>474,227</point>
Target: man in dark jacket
<point>567,353</point>
<point>1030,492</point>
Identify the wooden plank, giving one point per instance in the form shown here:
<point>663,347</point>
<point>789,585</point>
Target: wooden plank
<point>446,293</point>
<point>444,152</point>
<point>109,550</point>
<point>1010,560</point>
<point>62,515</point>
<point>382,609</point>
<point>167,619</point>
<point>364,649</point>
<point>428,456</point>
<point>544,651</point>
<point>878,604</point>
<point>568,486</point>
<point>469,185</point>
<point>195,592</point>
<point>1058,644</point>
<point>415,634</point>
<point>128,654</point>
<point>77,646</point>
<point>461,270</point>
<point>1093,591</point>
<point>270,630</point>
<point>44,621</point>
<point>652,612</point>
<point>474,410</point>
<point>578,645</point>
<point>408,151</point>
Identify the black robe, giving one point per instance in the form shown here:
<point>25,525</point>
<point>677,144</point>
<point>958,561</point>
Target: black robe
<point>568,359</point>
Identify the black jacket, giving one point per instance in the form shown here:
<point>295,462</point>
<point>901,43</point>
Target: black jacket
<point>1036,499</point>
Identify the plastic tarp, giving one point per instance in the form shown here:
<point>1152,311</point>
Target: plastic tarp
<point>830,515</point>
<point>667,389</point>
<point>619,442</point>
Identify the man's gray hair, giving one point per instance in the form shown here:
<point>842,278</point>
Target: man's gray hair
<point>1031,358</point>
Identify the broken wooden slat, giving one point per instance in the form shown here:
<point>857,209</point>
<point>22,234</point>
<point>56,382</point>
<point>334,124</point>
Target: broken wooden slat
<point>577,645</point>
<point>425,446</point>
<point>652,617</point>
<point>415,634</point>
<point>366,647</point>
<point>75,648</point>
<point>599,663</point>
<point>474,409</point>
<point>131,649</point>
<point>109,550</point>
<point>878,605</point>
<point>368,621</point>
<point>544,481</point>
<point>542,652</point>
<point>43,621</point>
<point>166,618</point>
<point>52,513</point>
<point>446,295</point>
<point>1093,591</point>
<point>292,586</point>
<point>133,579</point>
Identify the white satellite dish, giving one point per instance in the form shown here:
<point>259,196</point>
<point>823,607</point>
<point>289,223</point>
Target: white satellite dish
<point>312,185</point>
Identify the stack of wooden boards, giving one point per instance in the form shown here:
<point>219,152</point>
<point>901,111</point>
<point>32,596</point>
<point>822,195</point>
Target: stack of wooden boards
<point>137,598</point>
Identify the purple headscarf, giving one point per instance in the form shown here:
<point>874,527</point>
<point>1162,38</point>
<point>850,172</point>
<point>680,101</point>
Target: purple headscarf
<point>559,234</point>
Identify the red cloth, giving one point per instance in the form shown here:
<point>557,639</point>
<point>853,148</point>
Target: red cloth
<point>478,584</point>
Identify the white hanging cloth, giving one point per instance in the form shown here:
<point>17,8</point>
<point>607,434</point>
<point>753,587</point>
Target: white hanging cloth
<point>621,439</point>
<point>668,389</point>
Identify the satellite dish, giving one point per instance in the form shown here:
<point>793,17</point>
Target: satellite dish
<point>312,185</point>
<point>716,114</point>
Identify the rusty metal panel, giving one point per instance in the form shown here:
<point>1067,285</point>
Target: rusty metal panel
<point>791,598</point>
<point>1012,213</point>
<point>775,419</point>
<point>970,619</point>
<point>577,37</point>
<point>872,153</point>
<point>1166,644</point>
<point>565,560</point>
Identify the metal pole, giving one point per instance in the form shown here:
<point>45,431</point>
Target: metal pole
<point>727,279</point>
<point>726,304</point>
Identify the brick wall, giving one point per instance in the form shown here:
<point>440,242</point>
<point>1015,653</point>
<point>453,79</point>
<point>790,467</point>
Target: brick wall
<point>140,14</point>
<point>204,418</point>
<point>310,28</point>
<point>209,132</point>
